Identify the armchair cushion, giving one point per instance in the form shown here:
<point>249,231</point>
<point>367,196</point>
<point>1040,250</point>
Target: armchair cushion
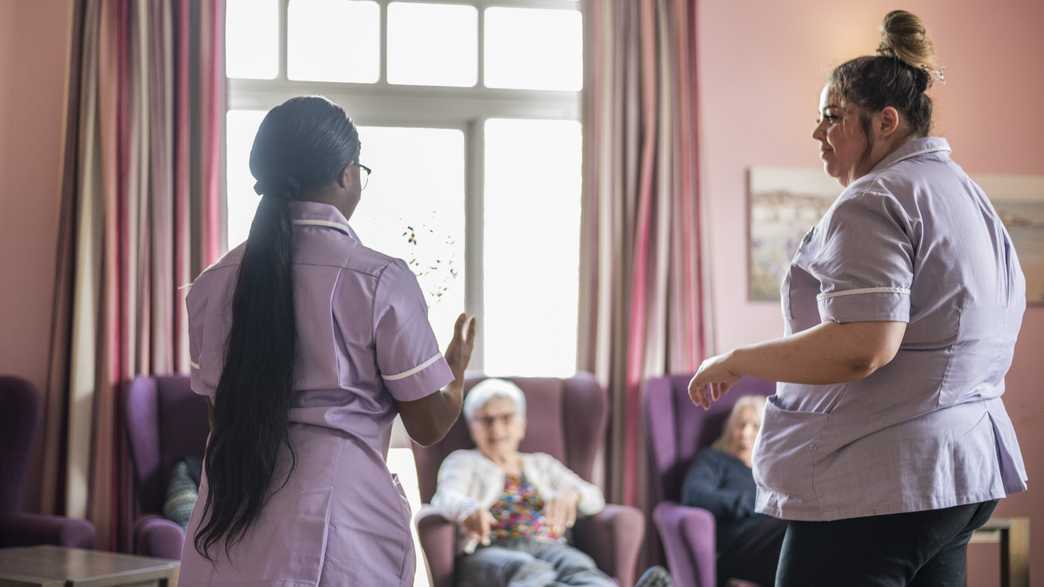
<point>158,537</point>
<point>23,529</point>
<point>182,491</point>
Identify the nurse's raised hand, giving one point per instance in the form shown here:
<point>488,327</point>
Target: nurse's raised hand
<point>712,380</point>
<point>428,419</point>
<point>458,353</point>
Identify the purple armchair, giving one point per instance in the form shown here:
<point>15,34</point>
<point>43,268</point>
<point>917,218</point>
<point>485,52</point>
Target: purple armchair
<point>677,431</point>
<point>19,421</point>
<point>566,418</point>
<point>166,422</point>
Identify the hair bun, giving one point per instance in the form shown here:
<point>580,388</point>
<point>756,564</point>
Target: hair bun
<point>904,37</point>
<point>285,186</point>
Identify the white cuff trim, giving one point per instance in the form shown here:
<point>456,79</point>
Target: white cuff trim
<point>193,364</point>
<point>414,370</point>
<point>326,223</point>
<point>866,290</point>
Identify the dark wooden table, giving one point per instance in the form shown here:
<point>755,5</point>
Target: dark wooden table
<point>53,566</point>
<point>1012,535</point>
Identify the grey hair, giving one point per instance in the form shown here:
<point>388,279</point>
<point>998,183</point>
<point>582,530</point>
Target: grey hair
<point>491,389</point>
<point>755,402</point>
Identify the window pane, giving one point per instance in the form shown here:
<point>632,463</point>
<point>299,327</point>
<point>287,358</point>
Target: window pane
<point>432,44</point>
<point>413,209</point>
<point>240,197</point>
<point>531,269</point>
<point>334,41</point>
<point>252,39</point>
<point>514,60</point>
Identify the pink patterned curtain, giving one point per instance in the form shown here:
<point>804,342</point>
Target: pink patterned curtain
<point>140,214</point>
<point>642,284</point>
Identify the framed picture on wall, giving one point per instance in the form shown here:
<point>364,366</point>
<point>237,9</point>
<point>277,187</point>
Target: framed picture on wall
<point>786,202</point>
<point>1019,200</point>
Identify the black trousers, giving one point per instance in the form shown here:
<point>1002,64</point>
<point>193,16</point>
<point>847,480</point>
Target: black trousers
<point>918,549</point>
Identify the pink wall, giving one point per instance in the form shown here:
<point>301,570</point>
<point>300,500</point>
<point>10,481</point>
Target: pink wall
<point>34,53</point>
<point>762,65</point>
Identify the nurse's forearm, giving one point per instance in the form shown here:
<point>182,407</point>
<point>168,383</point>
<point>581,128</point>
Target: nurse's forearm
<point>827,353</point>
<point>447,408</point>
<point>428,419</point>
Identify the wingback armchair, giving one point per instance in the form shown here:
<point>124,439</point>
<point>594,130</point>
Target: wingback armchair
<point>166,422</point>
<point>19,423</point>
<point>677,430</point>
<point>566,418</point>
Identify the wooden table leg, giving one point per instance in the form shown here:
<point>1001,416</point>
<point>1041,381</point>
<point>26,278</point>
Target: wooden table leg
<point>1014,552</point>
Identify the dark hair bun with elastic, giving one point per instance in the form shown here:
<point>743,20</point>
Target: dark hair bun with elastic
<point>904,37</point>
<point>897,76</point>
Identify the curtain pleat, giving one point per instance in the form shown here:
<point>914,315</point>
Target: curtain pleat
<point>642,282</point>
<point>136,222</point>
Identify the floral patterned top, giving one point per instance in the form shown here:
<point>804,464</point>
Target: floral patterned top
<point>519,513</point>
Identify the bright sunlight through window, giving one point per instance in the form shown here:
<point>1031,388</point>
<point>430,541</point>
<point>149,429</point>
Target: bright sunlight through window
<point>468,112</point>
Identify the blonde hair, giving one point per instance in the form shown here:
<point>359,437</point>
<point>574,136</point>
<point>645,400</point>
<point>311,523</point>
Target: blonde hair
<point>754,402</point>
<point>904,36</point>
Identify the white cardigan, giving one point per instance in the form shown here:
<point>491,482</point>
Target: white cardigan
<point>469,481</point>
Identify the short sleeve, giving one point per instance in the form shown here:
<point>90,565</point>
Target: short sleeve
<point>196,304</point>
<point>408,355</point>
<point>863,259</point>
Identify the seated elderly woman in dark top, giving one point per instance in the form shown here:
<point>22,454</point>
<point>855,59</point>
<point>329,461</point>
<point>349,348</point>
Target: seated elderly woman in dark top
<point>721,482</point>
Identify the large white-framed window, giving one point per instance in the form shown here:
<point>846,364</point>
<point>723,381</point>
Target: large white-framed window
<point>469,114</point>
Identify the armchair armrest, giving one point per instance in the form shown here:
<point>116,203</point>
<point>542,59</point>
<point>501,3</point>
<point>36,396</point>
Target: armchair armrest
<point>688,537</point>
<point>438,540</point>
<point>613,538</point>
<point>25,529</point>
<point>158,537</point>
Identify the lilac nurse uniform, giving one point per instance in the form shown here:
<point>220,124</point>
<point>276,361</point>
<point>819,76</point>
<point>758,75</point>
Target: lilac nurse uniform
<point>363,344</point>
<point>915,241</point>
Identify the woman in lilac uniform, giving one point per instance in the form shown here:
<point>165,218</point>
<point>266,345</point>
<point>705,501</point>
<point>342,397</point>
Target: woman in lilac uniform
<point>308,344</point>
<point>887,443</point>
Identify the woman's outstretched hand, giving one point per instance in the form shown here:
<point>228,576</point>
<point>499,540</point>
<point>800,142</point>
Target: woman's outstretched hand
<point>560,511</point>
<point>479,525</point>
<point>712,380</point>
<point>458,353</point>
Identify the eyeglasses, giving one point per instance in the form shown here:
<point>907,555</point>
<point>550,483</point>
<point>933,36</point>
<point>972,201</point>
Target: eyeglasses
<point>364,174</point>
<point>489,421</point>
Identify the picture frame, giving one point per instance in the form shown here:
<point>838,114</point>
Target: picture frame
<point>784,203</point>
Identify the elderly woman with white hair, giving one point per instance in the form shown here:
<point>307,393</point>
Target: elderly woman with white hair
<point>513,509</point>
<point>721,481</point>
